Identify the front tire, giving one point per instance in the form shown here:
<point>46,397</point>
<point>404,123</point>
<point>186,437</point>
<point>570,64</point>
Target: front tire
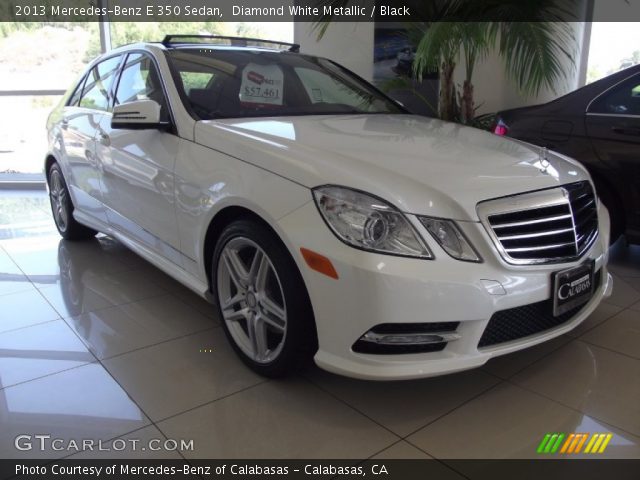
<point>262,301</point>
<point>62,208</point>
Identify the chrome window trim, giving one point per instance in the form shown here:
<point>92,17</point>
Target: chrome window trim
<point>622,115</point>
<point>529,201</point>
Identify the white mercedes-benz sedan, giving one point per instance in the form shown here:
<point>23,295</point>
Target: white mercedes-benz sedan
<point>319,217</point>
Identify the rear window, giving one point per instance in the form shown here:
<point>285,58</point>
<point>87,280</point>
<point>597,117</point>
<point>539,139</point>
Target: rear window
<point>219,83</point>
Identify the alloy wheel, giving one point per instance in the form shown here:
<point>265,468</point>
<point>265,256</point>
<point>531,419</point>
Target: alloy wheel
<point>59,200</point>
<point>251,300</point>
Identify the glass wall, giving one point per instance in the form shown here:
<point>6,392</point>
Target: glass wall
<point>129,32</point>
<point>613,47</point>
<point>23,140</point>
<point>40,61</point>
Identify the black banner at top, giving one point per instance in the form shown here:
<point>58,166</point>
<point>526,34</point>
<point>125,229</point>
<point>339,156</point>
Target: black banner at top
<point>398,11</point>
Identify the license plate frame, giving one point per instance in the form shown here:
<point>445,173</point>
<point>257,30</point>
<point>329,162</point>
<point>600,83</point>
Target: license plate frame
<point>570,287</point>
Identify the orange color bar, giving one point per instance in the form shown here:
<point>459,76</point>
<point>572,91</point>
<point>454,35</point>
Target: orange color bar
<point>567,442</point>
<point>576,438</point>
<point>582,440</point>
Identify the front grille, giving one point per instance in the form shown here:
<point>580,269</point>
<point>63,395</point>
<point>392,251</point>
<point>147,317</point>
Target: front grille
<point>520,322</point>
<point>545,227</point>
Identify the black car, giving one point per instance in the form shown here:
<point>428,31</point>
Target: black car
<point>598,125</point>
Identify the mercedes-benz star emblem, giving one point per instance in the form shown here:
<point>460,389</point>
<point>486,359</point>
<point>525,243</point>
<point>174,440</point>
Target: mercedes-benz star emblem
<point>544,163</point>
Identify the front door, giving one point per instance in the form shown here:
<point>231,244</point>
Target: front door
<point>138,165</point>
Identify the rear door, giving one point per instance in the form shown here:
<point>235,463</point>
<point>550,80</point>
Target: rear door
<point>613,124</point>
<point>80,123</point>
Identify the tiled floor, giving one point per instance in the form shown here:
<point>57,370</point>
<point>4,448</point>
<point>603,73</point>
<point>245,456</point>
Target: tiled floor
<point>97,344</point>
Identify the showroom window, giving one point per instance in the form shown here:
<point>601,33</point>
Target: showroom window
<point>39,61</point>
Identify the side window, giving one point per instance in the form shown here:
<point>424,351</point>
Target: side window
<point>140,80</point>
<point>74,101</point>
<point>623,99</point>
<point>97,87</point>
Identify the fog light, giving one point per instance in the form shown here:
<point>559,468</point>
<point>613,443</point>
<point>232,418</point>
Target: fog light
<point>403,338</point>
<point>410,339</point>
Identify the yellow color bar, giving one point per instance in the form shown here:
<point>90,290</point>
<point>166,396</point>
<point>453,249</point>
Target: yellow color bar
<point>605,443</point>
<point>598,442</point>
<point>590,444</point>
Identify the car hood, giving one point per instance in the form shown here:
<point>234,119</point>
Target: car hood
<point>420,165</point>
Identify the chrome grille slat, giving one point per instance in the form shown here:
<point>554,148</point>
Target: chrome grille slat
<point>583,207</point>
<point>535,235</point>
<point>547,226</point>
<point>537,249</point>
<point>539,220</point>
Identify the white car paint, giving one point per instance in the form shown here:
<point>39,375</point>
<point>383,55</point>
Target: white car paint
<point>158,193</point>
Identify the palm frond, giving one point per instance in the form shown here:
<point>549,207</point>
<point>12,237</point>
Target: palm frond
<point>440,42</point>
<point>321,25</point>
<point>533,53</point>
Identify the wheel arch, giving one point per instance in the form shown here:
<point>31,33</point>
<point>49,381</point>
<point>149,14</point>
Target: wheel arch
<point>231,213</point>
<point>216,225</point>
<point>48,161</point>
<point>224,217</point>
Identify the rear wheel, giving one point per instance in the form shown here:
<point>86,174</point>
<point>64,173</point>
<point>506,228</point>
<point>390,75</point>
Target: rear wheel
<point>62,208</point>
<point>262,301</point>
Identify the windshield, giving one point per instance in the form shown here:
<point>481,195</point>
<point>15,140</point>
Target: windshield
<point>220,83</point>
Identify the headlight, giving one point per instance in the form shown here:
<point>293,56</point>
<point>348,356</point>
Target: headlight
<point>369,223</point>
<point>450,238</point>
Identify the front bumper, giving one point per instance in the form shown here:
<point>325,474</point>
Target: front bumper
<point>377,289</point>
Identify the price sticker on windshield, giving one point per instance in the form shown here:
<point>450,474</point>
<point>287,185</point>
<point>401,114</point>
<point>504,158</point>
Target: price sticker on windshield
<point>262,84</point>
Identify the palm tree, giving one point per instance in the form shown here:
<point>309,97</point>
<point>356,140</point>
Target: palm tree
<point>532,37</point>
<point>439,48</point>
<point>531,52</point>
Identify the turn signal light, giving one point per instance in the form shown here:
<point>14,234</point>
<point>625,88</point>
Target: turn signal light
<point>319,263</point>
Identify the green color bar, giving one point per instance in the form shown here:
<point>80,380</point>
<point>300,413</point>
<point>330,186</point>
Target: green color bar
<point>554,449</point>
<point>543,443</point>
<point>547,449</point>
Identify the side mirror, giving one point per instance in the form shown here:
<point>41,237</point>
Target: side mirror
<point>138,115</point>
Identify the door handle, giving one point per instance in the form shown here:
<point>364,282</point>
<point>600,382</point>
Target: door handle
<point>626,130</point>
